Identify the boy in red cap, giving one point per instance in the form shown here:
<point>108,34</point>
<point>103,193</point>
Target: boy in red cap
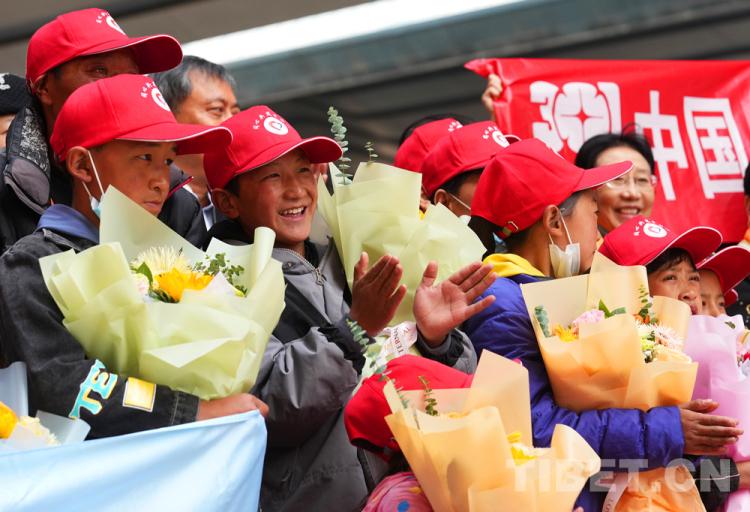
<point>720,274</point>
<point>74,49</point>
<point>313,361</point>
<point>670,258</point>
<point>545,210</point>
<point>451,169</point>
<point>130,146</point>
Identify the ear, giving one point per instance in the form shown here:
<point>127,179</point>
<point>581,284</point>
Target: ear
<point>79,165</point>
<point>41,90</point>
<point>552,221</point>
<point>226,202</point>
<point>441,197</point>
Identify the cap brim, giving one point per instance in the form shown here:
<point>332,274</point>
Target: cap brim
<point>318,150</point>
<point>152,53</point>
<point>731,298</point>
<point>732,265</point>
<point>190,138</point>
<point>598,176</point>
<point>700,242</point>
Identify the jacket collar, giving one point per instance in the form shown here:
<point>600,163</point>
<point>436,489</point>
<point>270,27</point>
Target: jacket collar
<point>65,220</point>
<point>508,265</point>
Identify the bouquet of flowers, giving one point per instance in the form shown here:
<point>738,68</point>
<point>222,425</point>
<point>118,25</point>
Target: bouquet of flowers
<point>377,212</point>
<point>18,430</point>
<point>471,449</point>
<point>719,345</point>
<point>150,305</point>
<point>607,343</point>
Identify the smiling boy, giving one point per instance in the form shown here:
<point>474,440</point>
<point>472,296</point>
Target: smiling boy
<point>312,364</point>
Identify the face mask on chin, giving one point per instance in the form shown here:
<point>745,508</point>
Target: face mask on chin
<point>96,206</point>
<point>565,263</point>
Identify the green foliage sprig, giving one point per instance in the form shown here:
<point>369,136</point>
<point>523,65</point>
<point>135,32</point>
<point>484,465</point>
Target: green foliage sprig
<point>218,263</point>
<point>543,318</point>
<point>430,402</point>
<point>371,154</point>
<point>339,134</point>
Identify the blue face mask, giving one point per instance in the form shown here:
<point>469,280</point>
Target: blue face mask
<point>96,206</point>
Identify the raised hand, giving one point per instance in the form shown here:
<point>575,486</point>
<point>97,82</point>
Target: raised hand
<point>439,309</point>
<point>491,94</point>
<point>376,293</point>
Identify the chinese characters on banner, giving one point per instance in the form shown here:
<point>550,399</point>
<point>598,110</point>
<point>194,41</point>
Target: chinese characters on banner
<point>694,113</point>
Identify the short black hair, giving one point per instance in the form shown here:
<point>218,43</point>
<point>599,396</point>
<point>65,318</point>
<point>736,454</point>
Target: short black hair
<point>175,84</point>
<point>670,258</point>
<point>746,181</point>
<point>428,119</point>
<point>485,229</point>
<point>596,145</point>
<point>453,185</point>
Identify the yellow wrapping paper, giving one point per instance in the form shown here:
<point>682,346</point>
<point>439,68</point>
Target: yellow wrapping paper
<point>658,490</point>
<point>378,213</point>
<point>605,367</point>
<point>208,344</point>
<point>464,463</point>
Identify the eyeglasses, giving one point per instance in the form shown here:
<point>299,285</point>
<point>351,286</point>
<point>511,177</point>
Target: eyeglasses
<point>641,183</point>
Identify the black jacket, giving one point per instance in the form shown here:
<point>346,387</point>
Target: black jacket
<point>62,380</point>
<point>31,181</point>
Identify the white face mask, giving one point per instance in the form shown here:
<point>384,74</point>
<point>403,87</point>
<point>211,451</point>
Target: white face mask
<point>565,263</point>
<point>465,218</point>
<point>94,202</point>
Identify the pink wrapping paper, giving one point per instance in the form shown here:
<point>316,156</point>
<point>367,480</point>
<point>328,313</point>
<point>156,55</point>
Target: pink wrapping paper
<point>713,344</point>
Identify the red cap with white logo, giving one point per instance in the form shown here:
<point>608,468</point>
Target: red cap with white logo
<point>261,136</point>
<point>127,107</point>
<point>90,32</point>
<point>412,152</point>
<point>472,147</point>
<point>526,177</point>
<point>731,266</point>
<point>639,241</point>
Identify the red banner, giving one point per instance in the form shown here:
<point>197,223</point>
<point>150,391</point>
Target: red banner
<point>694,113</point>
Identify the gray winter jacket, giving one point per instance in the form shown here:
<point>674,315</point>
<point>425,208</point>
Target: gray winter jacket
<point>306,382</point>
<point>310,369</point>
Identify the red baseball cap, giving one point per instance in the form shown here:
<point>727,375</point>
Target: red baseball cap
<point>526,177</point>
<point>127,107</point>
<point>412,152</point>
<point>731,266</point>
<point>364,415</point>
<point>639,241</point>
<point>92,31</point>
<point>260,137</point>
<point>469,148</point>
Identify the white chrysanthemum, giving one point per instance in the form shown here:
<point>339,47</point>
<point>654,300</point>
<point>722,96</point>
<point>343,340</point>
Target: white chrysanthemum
<point>161,260</point>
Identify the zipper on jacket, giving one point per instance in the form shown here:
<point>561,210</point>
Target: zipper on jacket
<point>319,277</point>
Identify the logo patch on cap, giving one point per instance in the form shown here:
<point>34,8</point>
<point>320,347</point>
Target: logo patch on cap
<point>150,89</point>
<point>496,135</point>
<point>455,125</point>
<point>275,126</point>
<point>3,85</point>
<point>105,17</point>
<point>651,230</point>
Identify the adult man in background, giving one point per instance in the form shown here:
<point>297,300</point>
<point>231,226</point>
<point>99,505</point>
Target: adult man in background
<point>199,92</point>
<point>72,50</point>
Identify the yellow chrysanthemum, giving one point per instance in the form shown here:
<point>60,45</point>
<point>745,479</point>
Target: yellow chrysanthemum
<point>161,260</point>
<point>564,333</point>
<point>8,421</point>
<point>175,282</point>
<point>520,452</point>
